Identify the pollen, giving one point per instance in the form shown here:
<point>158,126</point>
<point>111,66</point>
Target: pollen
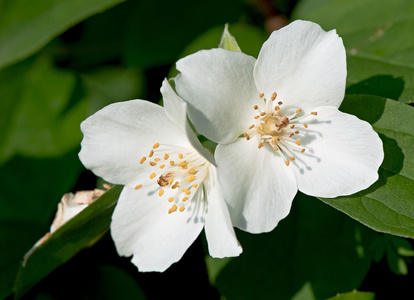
<point>137,187</point>
<point>192,171</point>
<point>172,209</point>
<point>190,178</point>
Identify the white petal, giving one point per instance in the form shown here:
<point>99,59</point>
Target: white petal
<point>342,157</point>
<point>142,227</point>
<point>119,135</point>
<point>222,241</point>
<point>257,185</point>
<point>305,65</point>
<point>219,88</point>
<point>176,110</point>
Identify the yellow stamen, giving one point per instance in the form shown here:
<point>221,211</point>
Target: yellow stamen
<point>160,192</point>
<point>172,209</point>
<point>297,142</point>
<point>162,166</point>
<point>192,171</point>
<point>142,160</point>
<point>171,199</point>
<point>280,103</point>
<point>255,107</point>
<point>152,176</point>
<point>246,136</point>
<point>261,95</point>
<point>277,108</point>
<point>187,192</point>
<point>152,163</point>
<point>156,145</point>
<point>181,209</point>
<point>176,185</point>
<point>172,163</point>
<point>292,126</point>
<point>273,96</point>
<point>151,153</point>
<point>298,111</point>
<point>137,187</point>
<point>262,113</point>
<point>190,178</point>
<point>180,156</point>
<point>195,185</point>
<point>166,156</point>
<point>157,159</point>
<point>305,125</point>
<point>314,113</point>
<point>287,163</point>
<point>260,145</point>
<point>171,181</point>
<point>185,199</point>
<point>251,126</point>
<point>291,158</point>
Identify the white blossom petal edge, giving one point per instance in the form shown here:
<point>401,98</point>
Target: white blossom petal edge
<point>277,123</point>
<point>171,188</point>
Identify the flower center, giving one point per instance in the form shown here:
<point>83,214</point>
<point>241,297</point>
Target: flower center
<point>278,130</point>
<point>178,173</point>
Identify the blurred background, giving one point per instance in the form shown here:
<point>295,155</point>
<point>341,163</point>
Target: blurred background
<point>62,61</point>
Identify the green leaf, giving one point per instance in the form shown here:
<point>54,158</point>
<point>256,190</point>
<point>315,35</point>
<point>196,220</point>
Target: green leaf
<point>378,39</point>
<point>42,114</point>
<point>78,233</point>
<point>355,295</point>
<point>228,41</point>
<point>316,251</point>
<point>387,206</point>
<point>25,28</point>
<point>157,34</point>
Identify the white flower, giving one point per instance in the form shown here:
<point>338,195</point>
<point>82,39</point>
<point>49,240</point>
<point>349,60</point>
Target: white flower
<point>171,189</point>
<point>277,123</point>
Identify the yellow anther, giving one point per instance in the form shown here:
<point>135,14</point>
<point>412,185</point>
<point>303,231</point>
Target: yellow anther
<point>160,192</point>
<point>172,163</point>
<point>156,145</point>
<point>276,138</point>
<point>152,163</point>
<point>152,176</point>
<point>287,162</point>
<point>190,178</point>
<point>274,95</point>
<point>192,171</point>
<point>261,95</point>
<point>251,126</point>
<point>298,111</point>
<point>262,113</point>
<point>171,181</point>
<point>291,158</point>
<point>180,156</point>
<point>176,185</point>
<point>195,185</point>
<point>151,153</point>
<point>246,136</point>
<point>272,142</point>
<point>303,150</point>
<point>261,127</point>
<point>137,187</point>
<point>166,156</point>
<point>162,166</point>
<point>314,113</point>
<point>276,148</point>
<point>260,145</point>
<point>142,160</point>
<point>297,142</point>
<point>171,199</point>
<point>157,159</point>
<point>280,103</point>
<point>172,209</point>
<point>181,209</point>
<point>187,192</point>
<point>256,117</point>
<point>292,126</point>
<point>305,125</point>
<point>185,199</point>
<point>255,107</point>
<point>277,108</point>
<point>297,131</point>
<point>292,134</point>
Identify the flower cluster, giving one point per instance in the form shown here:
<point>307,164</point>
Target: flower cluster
<point>278,129</point>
